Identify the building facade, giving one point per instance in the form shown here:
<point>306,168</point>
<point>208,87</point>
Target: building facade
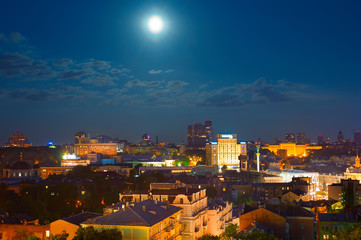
<point>292,149</point>
<point>198,134</point>
<point>225,151</point>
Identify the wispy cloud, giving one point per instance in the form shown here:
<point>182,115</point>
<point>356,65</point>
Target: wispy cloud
<point>155,71</point>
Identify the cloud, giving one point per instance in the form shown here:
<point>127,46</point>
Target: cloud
<point>76,73</point>
<point>96,64</point>
<point>256,92</point>
<point>52,94</point>
<point>15,65</point>
<point>101,80</point>
<point>155,71</point>
<point>15,37</point>
<point>63,62</point>
<point>139,83</point>
<point>288,84</point>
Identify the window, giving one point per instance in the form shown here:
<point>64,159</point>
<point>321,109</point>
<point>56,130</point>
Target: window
<point>302,225</point>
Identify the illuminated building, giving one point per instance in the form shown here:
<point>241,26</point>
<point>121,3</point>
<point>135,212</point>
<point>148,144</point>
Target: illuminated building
<point>198,135</point>
<point>46,171</point>
<point>21,169</point>
<point>143,220</point>
<point>335,191</point>
<point>292,149</point>
<point>284,221</point>
<point>18,139</point>
<point>83,149</point>
<point>225,151</point>
<point>70,224</point>
<point>79,136</point>
<point>192,201</point>
<point>354,172</point>
<point>290,138</point>
<point>146,139</point>
<point>219,216</point>
<point>301,138</point>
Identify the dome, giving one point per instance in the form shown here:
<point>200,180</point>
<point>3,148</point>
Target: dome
<point>20,165</point>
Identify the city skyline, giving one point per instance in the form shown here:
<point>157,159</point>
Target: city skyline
<point>259,69</point>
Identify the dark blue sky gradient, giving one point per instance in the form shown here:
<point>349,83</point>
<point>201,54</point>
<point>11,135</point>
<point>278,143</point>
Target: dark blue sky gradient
<point>256,68</point>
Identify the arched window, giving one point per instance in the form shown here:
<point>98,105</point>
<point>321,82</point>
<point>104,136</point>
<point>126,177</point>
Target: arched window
<point>181,201</point>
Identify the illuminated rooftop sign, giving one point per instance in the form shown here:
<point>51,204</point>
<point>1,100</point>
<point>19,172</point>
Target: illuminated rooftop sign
<point>70,157</point>
<point>226,136</point>
<point>214,143</point>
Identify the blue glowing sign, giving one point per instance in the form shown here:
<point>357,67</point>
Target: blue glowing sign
<point>214,143</point>
<point>242,143</point>
<point>226,136</point>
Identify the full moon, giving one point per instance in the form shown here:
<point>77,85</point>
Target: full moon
<point>155,24</point>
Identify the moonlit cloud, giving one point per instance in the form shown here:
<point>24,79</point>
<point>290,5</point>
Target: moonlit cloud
<point>155,71</point>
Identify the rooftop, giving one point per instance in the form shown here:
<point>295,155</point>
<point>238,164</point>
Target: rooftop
<point>145,213</point>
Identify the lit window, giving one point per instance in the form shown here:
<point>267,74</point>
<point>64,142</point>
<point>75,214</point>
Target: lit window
<point>47,233</point>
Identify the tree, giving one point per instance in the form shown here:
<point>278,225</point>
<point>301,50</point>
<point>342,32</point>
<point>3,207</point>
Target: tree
<point>351,233</point>
<point>259,235</point>
<point>224,168</point>
<point>209,237</point>
<point>211,192</point>
<point>63,236</point>
<point>89,233</point>
<point>33,238</point>
<point>231,231</point>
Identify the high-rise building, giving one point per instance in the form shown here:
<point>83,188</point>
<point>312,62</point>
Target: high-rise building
<point>290,138</point>
<point>79,136</point>
<point>320,140</point>
<point>18,139</point>
<point>209,130</point>
<point>225,151</point>
<point>198,135</point>
<point>340,138</point>
<point>357,138</point>
<point>146,139</point>
<point>301,138</point>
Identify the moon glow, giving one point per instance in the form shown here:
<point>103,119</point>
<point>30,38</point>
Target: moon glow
<point>155,24</point>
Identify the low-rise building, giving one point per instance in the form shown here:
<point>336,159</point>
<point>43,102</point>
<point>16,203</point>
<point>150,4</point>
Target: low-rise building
<point>285,221</point>
<point>149,219</point>
<point>193,202</point>
<point>219,216</point>
<point>330,223</point>
<point>70,224</point>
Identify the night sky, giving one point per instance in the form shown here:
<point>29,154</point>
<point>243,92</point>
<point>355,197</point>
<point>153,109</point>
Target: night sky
<point>256,68</point>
